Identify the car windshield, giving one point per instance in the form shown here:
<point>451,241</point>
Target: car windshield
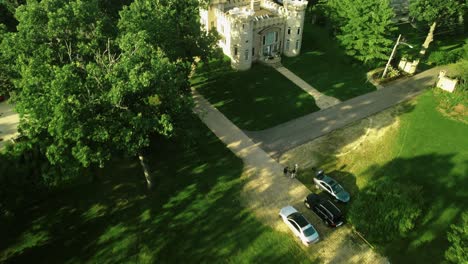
<point>309,231</point>
<point>337,188</point>
<point>299,219</point>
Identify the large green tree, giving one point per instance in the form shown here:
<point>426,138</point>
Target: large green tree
<point>171,25</point>
<point>435,13</point>
<point>364,27</point>
<point>458,237</point>
<point>88,89</point>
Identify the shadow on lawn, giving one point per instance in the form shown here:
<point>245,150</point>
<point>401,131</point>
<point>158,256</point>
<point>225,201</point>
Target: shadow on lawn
<point>255,99</point>
<point>325,66</point>
<point>444,193</point>
<point>188,217</point>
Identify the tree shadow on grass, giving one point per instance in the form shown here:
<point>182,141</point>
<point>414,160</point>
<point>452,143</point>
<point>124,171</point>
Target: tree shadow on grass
<point>255,99</point>
<point>445,190</point>
<point>193,215</point>
<point>325,66</point>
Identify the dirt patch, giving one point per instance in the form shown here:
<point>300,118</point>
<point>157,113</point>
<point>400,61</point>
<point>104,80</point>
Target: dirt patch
<point>361,136</point>
<point>264,198</point>
<point>458,113</point>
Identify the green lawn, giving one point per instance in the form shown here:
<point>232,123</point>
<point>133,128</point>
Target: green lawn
<point>192,216</point>
<point>255,99</point>
<point>433,153</point>
<point>426,149</point>
<point>324,65</point>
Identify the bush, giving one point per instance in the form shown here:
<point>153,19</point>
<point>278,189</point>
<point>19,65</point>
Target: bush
<point>458,237</point>
<point>386,210</point>
<point>444,57</point>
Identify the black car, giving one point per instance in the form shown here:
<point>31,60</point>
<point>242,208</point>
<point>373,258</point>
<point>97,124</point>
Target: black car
<point>325,209</point>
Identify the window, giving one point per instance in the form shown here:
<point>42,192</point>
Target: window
<point>243,26</point>
<point>246,54</point>
<point>287,44</point>
<point>235,50</point>
<point>294,224</point>
<point>270,38</point>
<point>276,36</point>
<point>253,52</point>
<point>297,44</point>
<point>264,40</point>
<point>289,31</point>
<point>298,30</point>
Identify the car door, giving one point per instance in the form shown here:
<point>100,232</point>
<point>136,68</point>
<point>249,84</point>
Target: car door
<point>295,228</point>
<point>323,185</point>
<point>327,187</point>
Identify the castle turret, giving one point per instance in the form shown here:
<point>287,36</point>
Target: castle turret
<point>295,14</point>
<point>241,40</point>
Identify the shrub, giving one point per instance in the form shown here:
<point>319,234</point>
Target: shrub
<point>386,210</point>
<point>444,57</point>
<point>458,237</point>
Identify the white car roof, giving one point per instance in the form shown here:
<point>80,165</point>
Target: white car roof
<point>288,210</point>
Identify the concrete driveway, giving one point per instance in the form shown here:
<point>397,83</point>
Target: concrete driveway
<point>294,133</point>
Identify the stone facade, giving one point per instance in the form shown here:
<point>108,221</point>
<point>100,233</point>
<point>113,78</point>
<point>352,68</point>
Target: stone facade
<point>256,30</point>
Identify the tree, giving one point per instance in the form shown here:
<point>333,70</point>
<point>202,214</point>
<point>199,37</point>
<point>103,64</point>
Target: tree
<point>7,13</point>
<point>435,13</point>
<point>88,89</point>
<point>363,27</point>
<point>458,237</point>
<point>171,25</point>
<point>6,67</point>
<point>386,207</point>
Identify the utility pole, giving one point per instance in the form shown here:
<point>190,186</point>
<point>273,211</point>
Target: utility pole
<point>391,56</point>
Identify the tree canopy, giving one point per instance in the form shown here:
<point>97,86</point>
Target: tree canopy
<point>440,11</point>
<point>364,27</point>
<point>89,86</point>
<point>458,238</point>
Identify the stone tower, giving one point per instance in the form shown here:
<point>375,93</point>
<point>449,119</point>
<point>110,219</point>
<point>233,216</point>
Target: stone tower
<point>241,35</point>
<point>295,14</point>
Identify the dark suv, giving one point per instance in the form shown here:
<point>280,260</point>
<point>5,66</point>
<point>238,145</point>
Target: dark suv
<point>325,209</point>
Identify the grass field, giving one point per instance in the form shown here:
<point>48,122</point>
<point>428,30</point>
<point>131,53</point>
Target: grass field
<point>325,66</point>
<point>192,216</point>
<point>414,145</point>
<point>255,99</point>
<point>430,151</point>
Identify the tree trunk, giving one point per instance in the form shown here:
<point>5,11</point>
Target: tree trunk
<point>429,39</point>
<point>146,171</point>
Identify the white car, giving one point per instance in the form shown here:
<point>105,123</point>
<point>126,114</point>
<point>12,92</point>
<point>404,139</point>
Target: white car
<point>299,225</point>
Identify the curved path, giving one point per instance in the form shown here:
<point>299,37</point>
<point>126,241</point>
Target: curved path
<point>266,190</point>
<point>9,121</point>
<point>296,132</point>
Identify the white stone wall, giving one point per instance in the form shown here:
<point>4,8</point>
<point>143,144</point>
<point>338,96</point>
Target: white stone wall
<point>240,29</point>
<point>294,22</point>
<point>241,39</point>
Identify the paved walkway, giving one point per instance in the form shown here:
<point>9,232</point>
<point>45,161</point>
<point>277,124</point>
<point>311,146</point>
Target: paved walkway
<point>9,121</point>
<point>267,190</point>
<point>322,101</point>
<point>296,132</point>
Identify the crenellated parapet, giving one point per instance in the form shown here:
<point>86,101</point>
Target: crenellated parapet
<point>273,7</point>
<point>295,5</point>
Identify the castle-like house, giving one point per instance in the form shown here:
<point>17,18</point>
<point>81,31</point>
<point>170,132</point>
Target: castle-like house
<point>256,30</point>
